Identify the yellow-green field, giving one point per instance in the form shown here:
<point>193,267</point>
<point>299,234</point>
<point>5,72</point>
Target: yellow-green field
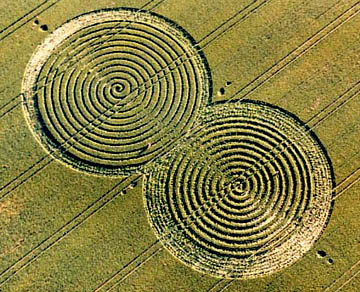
<point>64,228</point>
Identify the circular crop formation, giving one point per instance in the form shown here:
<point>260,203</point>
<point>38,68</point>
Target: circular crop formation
<point>110,90</point>
<point>247,195</point>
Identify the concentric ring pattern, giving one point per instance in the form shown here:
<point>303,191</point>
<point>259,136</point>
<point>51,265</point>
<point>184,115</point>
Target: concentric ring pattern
<point>247,195</point>
<point>110,90</point>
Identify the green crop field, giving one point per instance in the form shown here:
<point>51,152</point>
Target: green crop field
<point>165,145</point>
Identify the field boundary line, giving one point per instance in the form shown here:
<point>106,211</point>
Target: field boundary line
<point>27,17</point>
<point>329,9</point>
<point>220,285</point>
<point>232,21</point>
<point>131,267</point>
<point>356,127</point>
<point>349,280</point>
<point>297,52</point>
<point>336,104</point>
<point>25,175</point>
<point>10,105</point>
<point>347,183</point>
<point>4,108</point>
<point>345,278</point>
<point>90,210</point>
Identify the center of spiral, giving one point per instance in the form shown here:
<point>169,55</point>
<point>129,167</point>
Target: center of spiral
<point>240,190</point>
<point>118,88</point>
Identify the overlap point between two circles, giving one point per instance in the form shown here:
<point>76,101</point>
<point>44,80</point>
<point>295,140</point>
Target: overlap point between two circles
<point>246,195</point>
<point>106,85</point>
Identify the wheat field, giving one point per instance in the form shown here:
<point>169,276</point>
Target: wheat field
<point>166,145</point>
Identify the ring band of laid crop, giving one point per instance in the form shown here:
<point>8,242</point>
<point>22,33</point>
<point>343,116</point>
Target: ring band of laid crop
<point>138,90</point>
<point>246,196</point>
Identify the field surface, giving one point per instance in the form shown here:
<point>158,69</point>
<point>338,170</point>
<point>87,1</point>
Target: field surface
<point>64,228</point>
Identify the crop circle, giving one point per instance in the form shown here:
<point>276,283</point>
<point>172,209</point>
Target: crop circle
<point>247,195</point>
<point>105,85</point>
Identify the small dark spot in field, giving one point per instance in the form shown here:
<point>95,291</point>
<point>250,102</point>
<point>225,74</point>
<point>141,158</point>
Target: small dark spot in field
<point>36,22</point>
<point>330,261</point>
<point>132,185</point>
<point>44,27</point>
<point>228,83</point>
<point>321,253</point>
<point>221,91</point>
<point>4,167</point>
